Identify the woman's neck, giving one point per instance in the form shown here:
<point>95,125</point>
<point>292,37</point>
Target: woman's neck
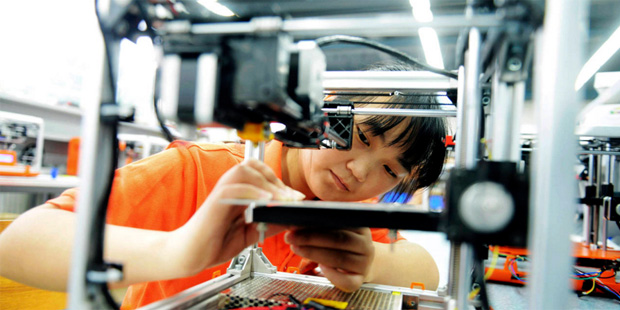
<point>293,172</point>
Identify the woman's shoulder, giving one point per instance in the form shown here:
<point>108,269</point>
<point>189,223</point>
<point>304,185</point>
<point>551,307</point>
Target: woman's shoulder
<point>209,149</point>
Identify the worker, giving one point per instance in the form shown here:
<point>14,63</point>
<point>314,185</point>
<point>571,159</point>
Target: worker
<point>167,226</point>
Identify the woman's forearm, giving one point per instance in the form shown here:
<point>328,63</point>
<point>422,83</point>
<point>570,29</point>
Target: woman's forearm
<point>406,263</point>
<point>36,250</point>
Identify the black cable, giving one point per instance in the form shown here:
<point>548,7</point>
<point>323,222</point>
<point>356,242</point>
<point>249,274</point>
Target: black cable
<point>111,123</point>
<point>160,119</point>
<point>327,40</point>
<point>169,136</point>
<point>105,290</point>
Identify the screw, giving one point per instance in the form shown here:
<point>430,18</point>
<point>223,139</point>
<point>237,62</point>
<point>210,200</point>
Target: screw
<point>486,100</point>
<point>514,64</point>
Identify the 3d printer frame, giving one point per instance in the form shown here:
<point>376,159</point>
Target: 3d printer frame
<point>501,57</point>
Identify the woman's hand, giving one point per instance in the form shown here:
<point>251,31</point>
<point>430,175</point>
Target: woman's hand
<point>344,255</point>
<point>217,232</point>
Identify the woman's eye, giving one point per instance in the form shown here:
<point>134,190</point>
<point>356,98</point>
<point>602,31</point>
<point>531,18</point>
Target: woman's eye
<point>362,136</point>
<point>389,171</point>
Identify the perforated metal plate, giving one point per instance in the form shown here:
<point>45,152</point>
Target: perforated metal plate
<point>265,288</point>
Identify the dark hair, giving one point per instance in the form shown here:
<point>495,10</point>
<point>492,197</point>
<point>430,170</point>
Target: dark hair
<point>422,140</point>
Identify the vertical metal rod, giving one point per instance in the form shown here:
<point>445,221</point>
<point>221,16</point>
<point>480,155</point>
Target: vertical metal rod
<point>587,225</point>
<point>596,214</point>
<point>499,122</point>
<point>461,146</point>
<point>589,212</point>
<point>254,150</point>
<point>453,268</point>
<point>459,162</point>
<point>608,175</point>
<point>591,175</point>
<point>596,219</point>
<point>603,206</point>
<point>473,106</point>
<point>553,186</point>
<point>599,172</point>
<point>518,100</point>
<point>603,229</point>
<point>472,111</point>
<point>466,264</point>
<point>92,167</point>
<point>506,109</point>
<point>612,169</point>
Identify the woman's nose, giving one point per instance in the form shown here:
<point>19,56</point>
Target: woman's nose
<point>360,167</point>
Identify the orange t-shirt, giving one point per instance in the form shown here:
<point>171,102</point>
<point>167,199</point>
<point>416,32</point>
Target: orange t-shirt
<point>163,191</point>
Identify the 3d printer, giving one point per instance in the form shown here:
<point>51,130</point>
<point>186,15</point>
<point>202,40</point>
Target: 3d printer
<point>21,144</point>
<point>207,67</point>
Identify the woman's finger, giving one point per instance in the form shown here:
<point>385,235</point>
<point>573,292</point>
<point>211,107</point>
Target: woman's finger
<point>351,262</point>
<point>344,281</point>
<point>355,241</point>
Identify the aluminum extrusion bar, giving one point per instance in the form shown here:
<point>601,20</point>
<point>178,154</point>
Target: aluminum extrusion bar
<point>398,112</point>
<point>506,108</point>
<point>459,162</point>
<point>473,106</point>
<point>466,263</point>
<point>90,171</point>
<point>196,294</point>
<point>553,186</point>
<point>589,152</point>
<point>460,147</point>
<point>387,80</point>
<point>471,130</point>
<point>394,25</point>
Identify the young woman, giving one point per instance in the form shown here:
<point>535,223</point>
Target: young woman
<point>167,227</point>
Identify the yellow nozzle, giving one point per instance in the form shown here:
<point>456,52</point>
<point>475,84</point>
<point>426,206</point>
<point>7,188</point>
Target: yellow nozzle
<point>256,132</point>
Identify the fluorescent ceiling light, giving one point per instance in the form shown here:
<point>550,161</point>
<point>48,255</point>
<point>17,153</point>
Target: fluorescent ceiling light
<point>217,8</point>
<point>422,13</point>
<point>421,10</point>
<point>430,45</point>
<point>602,55</point>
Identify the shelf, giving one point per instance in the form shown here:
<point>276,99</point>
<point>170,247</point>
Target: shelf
<point>64,123</point>
<point>40,184</point>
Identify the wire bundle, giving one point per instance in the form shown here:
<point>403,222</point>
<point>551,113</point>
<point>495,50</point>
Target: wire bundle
<point>578,275</point>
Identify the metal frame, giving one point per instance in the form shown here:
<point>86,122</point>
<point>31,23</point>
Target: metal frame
<point>553,185</point>
<point>390,25</point>
<point>554,98</point>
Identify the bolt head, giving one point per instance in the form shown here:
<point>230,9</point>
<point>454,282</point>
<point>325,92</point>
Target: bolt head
<point>514,64</point>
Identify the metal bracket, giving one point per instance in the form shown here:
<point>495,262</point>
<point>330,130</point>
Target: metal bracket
<point>251,260</point>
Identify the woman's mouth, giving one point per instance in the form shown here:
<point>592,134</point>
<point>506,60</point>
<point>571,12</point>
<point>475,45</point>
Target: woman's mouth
<point>339,183</point>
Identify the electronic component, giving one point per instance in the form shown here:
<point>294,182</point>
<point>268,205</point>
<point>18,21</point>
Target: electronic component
<point>21,144</point>
<point>246,78</point>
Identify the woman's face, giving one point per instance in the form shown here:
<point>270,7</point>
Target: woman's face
<point>369,169</point>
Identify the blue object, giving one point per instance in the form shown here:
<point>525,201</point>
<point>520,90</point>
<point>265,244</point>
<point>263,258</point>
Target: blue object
<point>395,197</point>
<point>54,172</point>
<point>435,203</point>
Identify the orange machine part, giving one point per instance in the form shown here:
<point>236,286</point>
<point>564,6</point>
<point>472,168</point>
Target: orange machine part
<point>8,154</point>
<point>503,274</point>
<point>73,155</point>
<point>13,163</point>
